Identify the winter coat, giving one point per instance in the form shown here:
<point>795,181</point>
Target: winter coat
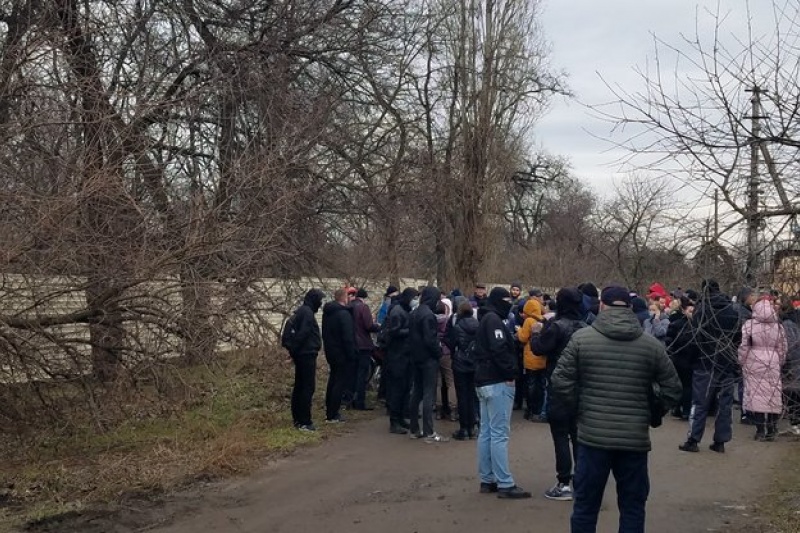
<point>441,324</point>
<point>717,332</point>
<point>338,333</point>
<point>425,343</point>
<point>679,341</point>
<point>762,354</point>
<point>398,333</point>
<point>606,374</point>
<point>383,312</point>
<point>307,338</point>
<point>533,314</point>
<point>656,326</point>
<point>364,325</point>
<point>464,332</point>
<point>496,359</point>
<point>791,368</point>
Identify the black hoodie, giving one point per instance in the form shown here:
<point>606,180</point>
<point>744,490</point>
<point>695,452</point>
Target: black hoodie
<point>307,340</point>
<point>425,328</point>
<point>496,359</point>
<point>398,327</point>
<point>556,333</point>
<point>717,330</point>
<point>338,333</point>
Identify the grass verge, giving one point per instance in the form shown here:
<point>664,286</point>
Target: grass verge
<point>236,417</point>
<point>780,508</point>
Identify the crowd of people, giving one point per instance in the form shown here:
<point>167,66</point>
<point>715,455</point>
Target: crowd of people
<point>599,367</point>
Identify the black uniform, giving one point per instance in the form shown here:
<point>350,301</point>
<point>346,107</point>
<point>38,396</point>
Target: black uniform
<point>338,333</point>
<point>307,343</point>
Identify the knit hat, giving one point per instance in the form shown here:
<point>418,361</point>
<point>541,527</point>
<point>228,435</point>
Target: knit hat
<point>613,294</point>
<point>362,293</point>
<point>517,284</point>
<point>391,289</point>
<point>589,289</point>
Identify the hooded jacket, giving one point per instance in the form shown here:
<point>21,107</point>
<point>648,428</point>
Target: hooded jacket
<point>425,344</point>
<point>307,337</point>
<point>717,327</point>
<point>762,354</point>
<point>606,374</point>
<point>398,328</point>
<point>338,333</point>
<point>680,343</point>
<point>533,315</point>
<point>496,361</point>
<point>464,332</point>
<point>555,336</point>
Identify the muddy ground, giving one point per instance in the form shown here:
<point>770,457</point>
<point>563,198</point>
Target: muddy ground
<point>371,481</point>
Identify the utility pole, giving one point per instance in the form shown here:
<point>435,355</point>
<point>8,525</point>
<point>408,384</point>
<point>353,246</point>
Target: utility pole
<point>753,218</point>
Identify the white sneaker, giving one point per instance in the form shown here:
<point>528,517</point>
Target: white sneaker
<point>435,437</point>
<point>561,492</point>
<point>795,430</point>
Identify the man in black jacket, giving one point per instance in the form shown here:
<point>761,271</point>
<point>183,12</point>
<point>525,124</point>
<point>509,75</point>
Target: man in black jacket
<point>495,372</point>
<point>425,355</point>
<point>717,334</point>
<point>338,333</point>
<point>563,423</point>
<point>306,344</point>
<point>397,366</point>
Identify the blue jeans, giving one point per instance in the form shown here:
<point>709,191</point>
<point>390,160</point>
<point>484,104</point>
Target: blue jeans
<point>591,476</point>
<point>496,402</point>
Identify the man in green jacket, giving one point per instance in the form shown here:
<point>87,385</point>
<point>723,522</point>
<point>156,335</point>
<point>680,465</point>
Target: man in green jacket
<point>607,374</point>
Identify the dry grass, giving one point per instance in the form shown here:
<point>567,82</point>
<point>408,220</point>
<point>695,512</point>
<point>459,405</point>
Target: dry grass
<point>237,416</point>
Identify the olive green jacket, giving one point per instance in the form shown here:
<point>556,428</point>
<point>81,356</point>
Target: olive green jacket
<point>605,375</point>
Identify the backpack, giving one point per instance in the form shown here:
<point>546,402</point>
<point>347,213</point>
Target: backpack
<point>289,332</point>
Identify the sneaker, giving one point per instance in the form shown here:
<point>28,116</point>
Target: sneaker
<point>513,493</point>
<point>561,492</point>
<point>718,447</point>
<point>689,446</point>
<point>435,437</point>
<point>307,427</point>
<point>397,430</point>
<point>335,420</point>
<point>794,430</point>
<point>487,488</point>
<point>413,435</point>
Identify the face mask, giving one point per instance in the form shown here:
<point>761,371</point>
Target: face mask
<point>415,303</point>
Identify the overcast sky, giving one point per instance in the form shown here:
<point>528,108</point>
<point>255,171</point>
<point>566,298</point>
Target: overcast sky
<point>610,38</point>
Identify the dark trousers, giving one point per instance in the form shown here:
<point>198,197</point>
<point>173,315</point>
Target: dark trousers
<point>793,405</point>
<point>685,375</point>
<point>519,382</point>
<point>398,387</point>
<point>349,386</point>
<point>535,386</point>
<point>707,385</point>
<point>423,391</point>
<point>591,476</point>
<point>336,383</point>
<point>363,366</point>
<point>467,399</point>
<point>766,423</point>
<point>564,432</point>
<point>305,376</point>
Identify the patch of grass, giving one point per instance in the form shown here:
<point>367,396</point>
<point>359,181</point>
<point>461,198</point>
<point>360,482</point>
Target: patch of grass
<point>237,416</point>
<point>781,508</point>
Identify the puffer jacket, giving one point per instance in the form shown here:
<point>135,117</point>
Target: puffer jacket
<point>762,354</point>
<point>606,374</point>
<point>533,315</point>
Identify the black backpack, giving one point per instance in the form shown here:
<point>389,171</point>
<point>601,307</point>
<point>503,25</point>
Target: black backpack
<point>289,332</point>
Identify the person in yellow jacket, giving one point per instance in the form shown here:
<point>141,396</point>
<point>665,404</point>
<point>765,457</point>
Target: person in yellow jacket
<point>535,365</point>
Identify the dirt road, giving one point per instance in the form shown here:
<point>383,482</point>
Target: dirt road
<point>370,481</point>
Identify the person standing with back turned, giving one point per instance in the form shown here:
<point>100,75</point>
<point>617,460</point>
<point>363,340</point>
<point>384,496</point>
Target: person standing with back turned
<point>606,375</point>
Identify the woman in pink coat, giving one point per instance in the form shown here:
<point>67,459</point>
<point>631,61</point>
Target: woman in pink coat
<point>762,353</point>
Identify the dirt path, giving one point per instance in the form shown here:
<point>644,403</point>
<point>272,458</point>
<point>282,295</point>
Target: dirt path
<point>370,481</point>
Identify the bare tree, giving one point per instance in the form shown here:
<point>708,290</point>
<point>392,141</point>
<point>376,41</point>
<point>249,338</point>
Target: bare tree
<point>723,118</point>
